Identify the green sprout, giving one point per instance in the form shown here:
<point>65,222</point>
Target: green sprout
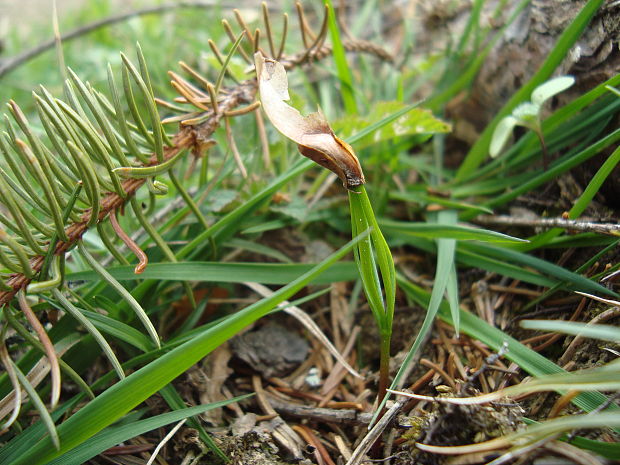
<point>527,114</point>
<point>316,140</point>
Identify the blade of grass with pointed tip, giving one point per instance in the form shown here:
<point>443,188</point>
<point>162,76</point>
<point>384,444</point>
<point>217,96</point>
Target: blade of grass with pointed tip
<point>39,406</point>
<point>340,60</point>
<point>66,305</point>
<point>124,293</point>
<point>445,264</point>
<point>598,331</point>
<point>438,230</point>
<point>264,273</point>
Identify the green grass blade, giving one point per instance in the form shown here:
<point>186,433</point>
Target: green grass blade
<point>384,259</point>
<point>445,264</point>
<point>576,281</point>
<point>610,450</point>
<point>452,291</point>
<point>120,330</point>
<point>264,273</point>
<point>584,199</point>
<point>176,402</point>
<point>40,407</point>
<point>117,434</point>
<point>482,261</point>
<point>365,259</point>
<point>340,60</point>
<point>22,442</point>
<point>90,327</point>
<point>604,332</point>
<point>446,231</point>
<point>124,293</point>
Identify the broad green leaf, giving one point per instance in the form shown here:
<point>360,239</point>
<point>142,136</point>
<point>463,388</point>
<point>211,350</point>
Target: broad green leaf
<point>416,121</point>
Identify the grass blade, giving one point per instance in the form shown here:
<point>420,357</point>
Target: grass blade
<point>605,332</point>
<point>117,434</point>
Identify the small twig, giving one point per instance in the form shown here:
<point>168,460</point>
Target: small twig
<point>573,225</point>
<point>320,415</point>
<point>439,370</point>
<point>282,431</point>
<point>319,449</point>
<point>490,360</point>
<point>375,432</point>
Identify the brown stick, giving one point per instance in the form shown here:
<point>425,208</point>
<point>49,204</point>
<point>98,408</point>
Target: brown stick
<point>574,225</point>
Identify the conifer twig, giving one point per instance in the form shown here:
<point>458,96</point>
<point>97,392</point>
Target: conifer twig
<point>190,136</point>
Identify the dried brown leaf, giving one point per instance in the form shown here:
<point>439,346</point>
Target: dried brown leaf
<point>313,134</point>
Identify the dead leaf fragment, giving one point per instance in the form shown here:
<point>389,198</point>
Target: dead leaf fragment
<point>313,134</point>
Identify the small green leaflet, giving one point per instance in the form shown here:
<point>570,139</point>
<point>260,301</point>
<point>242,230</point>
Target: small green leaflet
<point>416,121</point>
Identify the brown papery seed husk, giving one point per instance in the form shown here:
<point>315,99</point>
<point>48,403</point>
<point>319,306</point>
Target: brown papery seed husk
<point>312,133</point>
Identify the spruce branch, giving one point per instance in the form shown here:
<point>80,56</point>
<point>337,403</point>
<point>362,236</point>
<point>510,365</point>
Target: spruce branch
<point>187,138</point>
<point>104,195</point>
